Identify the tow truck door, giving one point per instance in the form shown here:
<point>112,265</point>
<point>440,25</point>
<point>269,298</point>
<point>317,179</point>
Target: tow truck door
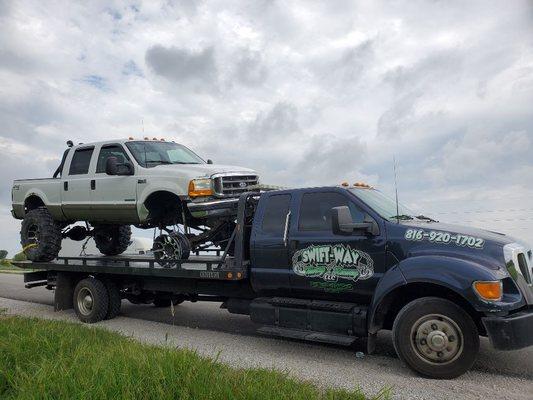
<point>270,253</point>
<point>324,265</point>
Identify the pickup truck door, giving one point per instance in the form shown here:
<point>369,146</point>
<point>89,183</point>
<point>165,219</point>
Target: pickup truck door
<point>324,265</point>
<point>270,253</point>
<point>75,196</point>
<point>113,197</point>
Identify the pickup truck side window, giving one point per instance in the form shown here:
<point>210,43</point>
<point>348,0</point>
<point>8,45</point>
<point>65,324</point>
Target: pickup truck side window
<point>275,214</point>
<point>114,150</point>
<point>80,161</point>
<point>315,210</point>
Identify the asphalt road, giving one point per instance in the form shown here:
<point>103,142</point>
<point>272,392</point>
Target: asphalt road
<point>495,374</point>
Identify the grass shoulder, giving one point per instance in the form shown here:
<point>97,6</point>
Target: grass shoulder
<point>54,359</point>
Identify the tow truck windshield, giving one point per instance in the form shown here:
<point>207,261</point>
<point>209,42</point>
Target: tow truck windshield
<point>384,205</point>
<point>150,154</point>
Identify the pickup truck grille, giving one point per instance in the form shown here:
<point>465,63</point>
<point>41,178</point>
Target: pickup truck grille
<point>234,185</point>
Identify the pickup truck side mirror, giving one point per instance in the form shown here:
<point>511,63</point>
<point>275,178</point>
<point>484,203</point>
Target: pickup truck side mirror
<point>113,167</point>
<point>342,223</point>
<point>209,161</point>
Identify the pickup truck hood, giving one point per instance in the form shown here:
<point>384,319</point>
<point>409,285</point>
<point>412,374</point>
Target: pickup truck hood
<point>198,170</point>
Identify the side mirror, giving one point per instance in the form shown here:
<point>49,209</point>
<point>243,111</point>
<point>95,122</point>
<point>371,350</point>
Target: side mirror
<point>111,166</point>
<point>342,223</point>
<point>209,161</point>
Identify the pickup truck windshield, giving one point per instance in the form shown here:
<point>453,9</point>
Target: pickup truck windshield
<point>150,154</point>
<point>383,205</point>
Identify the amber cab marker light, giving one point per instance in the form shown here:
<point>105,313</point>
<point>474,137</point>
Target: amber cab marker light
<point>345,184</point>
<point>230,275</point>
<point>489,290</point>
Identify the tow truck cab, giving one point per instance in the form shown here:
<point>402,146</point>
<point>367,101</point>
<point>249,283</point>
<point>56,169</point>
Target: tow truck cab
<point>337,246</point>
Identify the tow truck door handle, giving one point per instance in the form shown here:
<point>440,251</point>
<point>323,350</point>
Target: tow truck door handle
<point>93,184</point>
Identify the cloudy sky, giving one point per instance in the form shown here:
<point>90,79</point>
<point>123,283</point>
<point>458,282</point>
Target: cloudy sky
<point>307,93</point>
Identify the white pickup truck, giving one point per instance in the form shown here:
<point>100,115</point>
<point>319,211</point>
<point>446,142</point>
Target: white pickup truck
<point>114,184</point>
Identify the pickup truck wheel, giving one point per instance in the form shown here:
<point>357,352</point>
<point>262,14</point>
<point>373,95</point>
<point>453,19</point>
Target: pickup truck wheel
<point>91,300</point>
<point>112,240</point>
<point>435,338</point>
<point>175,246</point>
<point>40,235</point>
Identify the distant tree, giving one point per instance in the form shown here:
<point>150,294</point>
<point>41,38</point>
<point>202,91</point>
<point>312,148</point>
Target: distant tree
<point>3,254</point>
<point>20,257</point>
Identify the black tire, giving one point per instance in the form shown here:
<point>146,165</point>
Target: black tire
<point>436,338</point>
<point>112,240</point>
<point>175,246</point>
<point>165,302</point>
<point>40,235</point>
<point>94,308</point>
<point>115,300</point>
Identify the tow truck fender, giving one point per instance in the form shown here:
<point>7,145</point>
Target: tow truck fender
<point>453,274</point>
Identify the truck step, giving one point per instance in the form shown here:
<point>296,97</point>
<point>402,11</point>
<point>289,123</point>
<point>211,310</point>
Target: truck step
<point>312,336</point>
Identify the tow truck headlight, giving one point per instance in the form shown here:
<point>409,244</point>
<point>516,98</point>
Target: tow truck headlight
<point>489,290</point>
<point>200,187</point>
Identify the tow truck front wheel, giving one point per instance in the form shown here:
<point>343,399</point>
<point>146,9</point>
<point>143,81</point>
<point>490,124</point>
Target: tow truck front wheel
<point>91,300</point>
<point>436,338</point>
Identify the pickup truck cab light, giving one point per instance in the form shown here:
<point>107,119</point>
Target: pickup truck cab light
<point>488,290</point>
<point>200,187</point>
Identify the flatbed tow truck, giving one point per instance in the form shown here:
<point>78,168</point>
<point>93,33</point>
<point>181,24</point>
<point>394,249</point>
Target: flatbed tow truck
<point>330,264</point>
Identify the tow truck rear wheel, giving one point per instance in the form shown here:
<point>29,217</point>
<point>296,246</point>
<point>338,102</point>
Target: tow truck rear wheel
<point>91,300</point>
<point>112,240</point>
<point>435,337</point>
<point>40,235</point>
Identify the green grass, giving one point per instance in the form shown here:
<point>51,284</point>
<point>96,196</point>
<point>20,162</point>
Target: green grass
<point>58,360</point>
<point>6,266</point>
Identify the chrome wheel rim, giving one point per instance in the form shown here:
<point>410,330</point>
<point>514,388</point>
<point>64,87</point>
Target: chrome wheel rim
<point>85,301</point>
<point>167,247</point>
<point>33,234</point>
<point>437,339</point>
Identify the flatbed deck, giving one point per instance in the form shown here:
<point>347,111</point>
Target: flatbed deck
<point>196,267</point>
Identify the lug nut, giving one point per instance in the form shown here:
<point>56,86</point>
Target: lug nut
<point>423,342</point>
<point>439,354</point>
<point>434,327</point>
<point>451,338</point>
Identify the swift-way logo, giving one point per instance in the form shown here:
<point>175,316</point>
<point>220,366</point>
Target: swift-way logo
<point>333,262</point>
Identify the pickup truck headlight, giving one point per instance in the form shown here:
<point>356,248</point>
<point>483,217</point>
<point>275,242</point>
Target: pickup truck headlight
<point>489,290</point>
<point>200,187</point>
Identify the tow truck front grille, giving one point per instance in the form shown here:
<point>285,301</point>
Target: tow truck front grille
<point>234,185</point>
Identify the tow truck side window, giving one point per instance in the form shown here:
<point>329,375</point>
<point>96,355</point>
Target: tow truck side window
<point>315,210</point>
<point>275,214</point>
<point>81,161</point>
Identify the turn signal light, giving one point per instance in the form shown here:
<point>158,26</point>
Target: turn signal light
<point>200,187</point>
<point>489,290</point>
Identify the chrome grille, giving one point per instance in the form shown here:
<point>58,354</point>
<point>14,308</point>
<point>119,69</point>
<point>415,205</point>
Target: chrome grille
<point>234,185</point>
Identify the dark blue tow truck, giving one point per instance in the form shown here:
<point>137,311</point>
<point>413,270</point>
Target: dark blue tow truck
<point>332,265</point>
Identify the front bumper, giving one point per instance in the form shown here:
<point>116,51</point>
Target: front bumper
<point>511,332</point>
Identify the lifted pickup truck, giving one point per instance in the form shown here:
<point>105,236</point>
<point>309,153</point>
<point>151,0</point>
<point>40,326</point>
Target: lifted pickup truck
<point>332,264</point>
<point>114,184</point>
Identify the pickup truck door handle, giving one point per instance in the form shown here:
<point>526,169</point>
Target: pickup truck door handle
<point>65,186</point>
<point>286,230</point>
<point>93,184</point>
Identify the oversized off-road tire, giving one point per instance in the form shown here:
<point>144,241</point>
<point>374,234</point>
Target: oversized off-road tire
<point>435,337</point>
<point>112,240</point>
<point>175,246</point>
<point>40,235</point>
<point>115,300</point>
<point>91,300</point>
